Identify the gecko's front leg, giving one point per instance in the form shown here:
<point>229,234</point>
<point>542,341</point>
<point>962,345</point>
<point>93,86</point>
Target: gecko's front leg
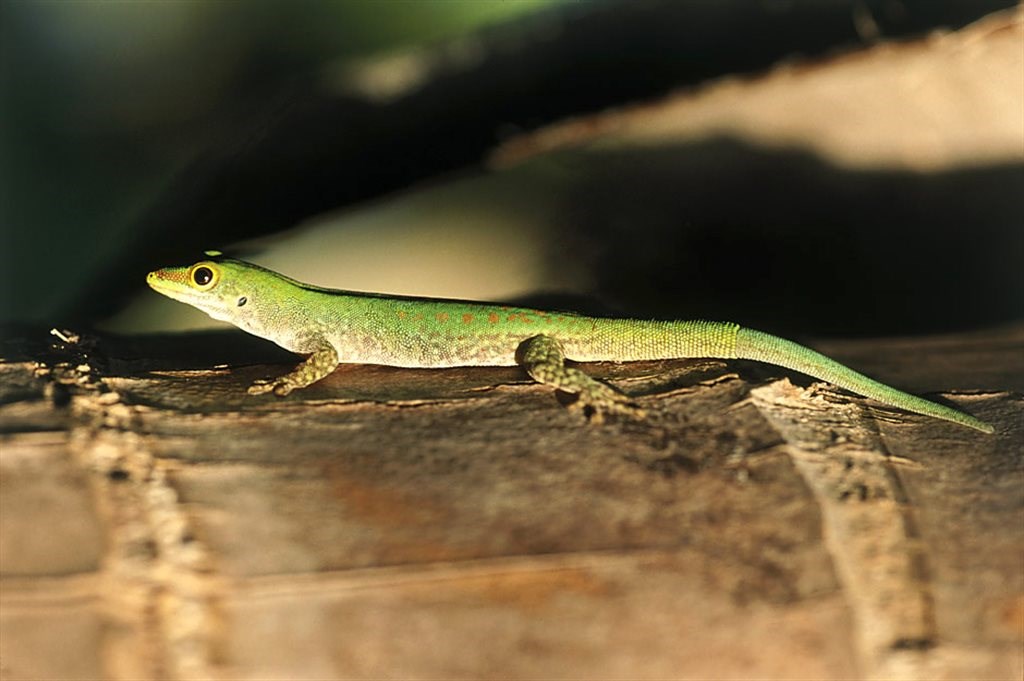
<point>320,363</point>
<point>544,361</point>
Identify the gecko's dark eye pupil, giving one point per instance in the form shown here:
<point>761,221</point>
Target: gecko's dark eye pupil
<point>202,276</point>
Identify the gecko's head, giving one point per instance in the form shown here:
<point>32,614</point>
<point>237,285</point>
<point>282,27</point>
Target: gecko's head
<point>227,290</point>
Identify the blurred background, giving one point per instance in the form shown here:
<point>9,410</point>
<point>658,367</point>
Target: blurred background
<point>811,167</point>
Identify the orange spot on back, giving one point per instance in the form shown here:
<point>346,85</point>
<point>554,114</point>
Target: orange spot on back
<point>402,314</point>
<point>467,318</point>
<point>442,316</point>
<point>493,318</point>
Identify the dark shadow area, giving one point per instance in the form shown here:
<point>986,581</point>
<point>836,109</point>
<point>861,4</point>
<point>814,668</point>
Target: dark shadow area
<point>145,352</point>
<point>195,349</point>
<point>299,152</point>
<point>785,241</point>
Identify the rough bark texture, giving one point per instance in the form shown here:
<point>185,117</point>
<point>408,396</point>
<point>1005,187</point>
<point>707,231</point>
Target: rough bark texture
<point>387,523</point>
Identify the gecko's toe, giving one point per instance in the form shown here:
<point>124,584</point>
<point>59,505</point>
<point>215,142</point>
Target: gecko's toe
<point>262,387</point>
<point>259,388</point>
<point>596,407</point>
<point>636,412</point>
<point>629,410</point>
<point>598,414</point>
<point>586,410</point>
<point>282,389</point>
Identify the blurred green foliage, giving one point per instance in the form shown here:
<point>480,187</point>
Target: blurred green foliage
<point>103,101</point>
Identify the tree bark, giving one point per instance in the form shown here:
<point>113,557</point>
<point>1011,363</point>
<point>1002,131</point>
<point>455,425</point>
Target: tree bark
<point>158,522</point>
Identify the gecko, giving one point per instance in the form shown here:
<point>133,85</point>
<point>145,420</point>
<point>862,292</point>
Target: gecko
<point>333,327</point>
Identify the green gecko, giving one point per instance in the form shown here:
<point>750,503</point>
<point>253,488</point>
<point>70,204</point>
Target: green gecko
<point>333,327</point>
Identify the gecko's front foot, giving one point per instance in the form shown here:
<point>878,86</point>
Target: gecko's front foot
<point>278,386</point>
<point>318,365</point>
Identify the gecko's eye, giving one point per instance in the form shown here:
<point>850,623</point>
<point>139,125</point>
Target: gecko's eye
<point>242,301</point>
<point>204,276</point>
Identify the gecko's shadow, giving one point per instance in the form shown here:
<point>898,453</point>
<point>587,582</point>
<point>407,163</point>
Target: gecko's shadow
<point>192,350</point>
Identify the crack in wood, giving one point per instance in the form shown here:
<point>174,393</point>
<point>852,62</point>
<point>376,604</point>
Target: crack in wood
<point>869,530</point>
<point>155,566</point>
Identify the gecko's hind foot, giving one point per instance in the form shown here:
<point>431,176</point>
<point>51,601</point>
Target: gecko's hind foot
<point>597,414</point>
<point>544,360</point>
<point>601,401</point>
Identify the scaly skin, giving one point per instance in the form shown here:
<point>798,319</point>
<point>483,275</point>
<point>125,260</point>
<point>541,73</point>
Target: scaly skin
<point>334,327</point>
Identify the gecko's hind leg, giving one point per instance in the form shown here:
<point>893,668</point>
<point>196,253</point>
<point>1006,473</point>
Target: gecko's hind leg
<point>318,365</point>
<point>544,361</point>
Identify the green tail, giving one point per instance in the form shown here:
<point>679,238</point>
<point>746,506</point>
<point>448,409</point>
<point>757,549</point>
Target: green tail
<point>764,347</point>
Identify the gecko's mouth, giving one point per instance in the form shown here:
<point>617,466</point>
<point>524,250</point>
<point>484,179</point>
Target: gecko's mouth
<point>155,283</point>
<point>160,283</point>
<point>171,283</point>
<point>168,279</point>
